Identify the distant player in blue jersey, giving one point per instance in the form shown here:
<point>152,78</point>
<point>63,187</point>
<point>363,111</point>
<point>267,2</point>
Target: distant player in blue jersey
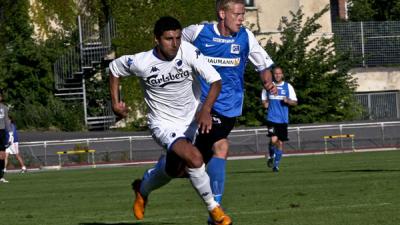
<point>228,46</point>
<point>278,116</point>
<point>13,149</point>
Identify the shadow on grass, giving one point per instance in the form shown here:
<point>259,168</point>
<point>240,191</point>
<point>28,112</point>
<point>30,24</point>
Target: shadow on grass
<point>135,223</point>
<point>360,171</point>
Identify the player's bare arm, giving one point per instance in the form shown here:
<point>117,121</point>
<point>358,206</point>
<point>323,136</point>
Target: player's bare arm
<point>204,117</point>
<point>265,104</point>
<point>118,106</point>
<point>266,78</point>
<point>289,101</point>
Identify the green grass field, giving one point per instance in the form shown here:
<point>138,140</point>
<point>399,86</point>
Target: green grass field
<point>341,189</point>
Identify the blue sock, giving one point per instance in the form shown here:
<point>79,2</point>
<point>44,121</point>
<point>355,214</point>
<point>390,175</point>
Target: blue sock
<point>278,156</point>
<point>271,150</point>
<point>216,172</point>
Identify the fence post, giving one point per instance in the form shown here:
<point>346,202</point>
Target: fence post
<point>82,64</point>
<point>130,148</point>
<point>256,132</point>
<point>398,104</point>
<point>45,153</point>
<point>341,135</point>
<point>362,43</point>
<point>298,138</point>
<point>383,134</point>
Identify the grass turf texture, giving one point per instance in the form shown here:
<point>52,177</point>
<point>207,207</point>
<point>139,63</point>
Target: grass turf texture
<point>341,189</point>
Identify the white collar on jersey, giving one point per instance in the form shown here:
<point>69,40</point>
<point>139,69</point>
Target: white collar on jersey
<point>281,84</point>
<point>215,25</point>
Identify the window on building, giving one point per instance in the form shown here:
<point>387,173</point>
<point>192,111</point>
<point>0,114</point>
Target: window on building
<point>249,3</point>
<point>334,10</point>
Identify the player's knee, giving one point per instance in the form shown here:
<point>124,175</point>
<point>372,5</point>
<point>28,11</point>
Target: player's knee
<point>196,160</point>
<point>274,140</point>
<point>221,148</point>
<point>176,170</point>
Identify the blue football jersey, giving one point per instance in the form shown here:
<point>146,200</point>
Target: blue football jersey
<point>228,55</point>
<point>278,111</point>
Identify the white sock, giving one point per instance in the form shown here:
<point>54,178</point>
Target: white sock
<point>154,178</point>
<point>201,182</point>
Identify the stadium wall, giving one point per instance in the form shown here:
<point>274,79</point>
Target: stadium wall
<point>377,79</point>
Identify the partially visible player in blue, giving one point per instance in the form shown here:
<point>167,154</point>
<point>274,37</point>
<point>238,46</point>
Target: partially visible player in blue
<point>228,46</point>
<point>13,149</point>
<point>278,116</point>
<point>4,141</point>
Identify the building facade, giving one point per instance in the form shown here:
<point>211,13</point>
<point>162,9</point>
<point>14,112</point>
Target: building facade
<point>263,17</point>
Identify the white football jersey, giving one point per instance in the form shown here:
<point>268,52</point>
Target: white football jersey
<point>171,88</point>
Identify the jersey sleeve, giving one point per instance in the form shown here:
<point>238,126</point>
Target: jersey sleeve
<point>258,56</point>
<point>200,64</point>
<point>124,66</point>
<point>191,32</point>
<point>264,96</point>
<point>292,93</point>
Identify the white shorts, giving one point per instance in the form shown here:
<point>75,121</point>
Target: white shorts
<point>13,149</point>
<point>166,134</point>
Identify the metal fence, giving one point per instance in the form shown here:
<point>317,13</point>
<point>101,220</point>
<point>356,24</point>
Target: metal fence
<point>371,43</point>
<point>244,142</point>
<point>380,105</point>
<point>94,44</point>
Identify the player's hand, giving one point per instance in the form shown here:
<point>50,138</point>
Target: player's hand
<point>269,86</point>
<point>204,120</point>
<point>120,109</point>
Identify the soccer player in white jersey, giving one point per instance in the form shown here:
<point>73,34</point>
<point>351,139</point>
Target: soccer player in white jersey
<point>278,116</point>
<point>169,75</point>
<point>227,45</point>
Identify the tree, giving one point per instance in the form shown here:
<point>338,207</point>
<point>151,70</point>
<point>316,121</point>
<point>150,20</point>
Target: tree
<point>26,72</point>
<point>374,10</point>
<point>26,63</point>
<point>319,75</point>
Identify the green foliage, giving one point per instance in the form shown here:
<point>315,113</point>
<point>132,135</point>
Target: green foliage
<point>97,89</point>
<point>26,73</point>
<point>318,74</point>
<point>374,10</point>
<point>61,12</point>
<point>54,115</point>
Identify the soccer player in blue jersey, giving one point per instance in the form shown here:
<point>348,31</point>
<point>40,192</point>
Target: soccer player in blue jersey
<point>13,149</point>
<point>278,116</point>
<point>228,46</point>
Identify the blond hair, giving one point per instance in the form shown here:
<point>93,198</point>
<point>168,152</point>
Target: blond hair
<point>224,4</point>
